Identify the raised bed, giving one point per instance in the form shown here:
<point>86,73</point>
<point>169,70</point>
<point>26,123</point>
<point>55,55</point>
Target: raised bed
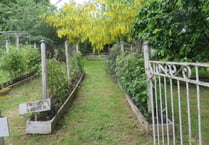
<point>47,127</point>
<point>17,81</point>
<point>147,125</point>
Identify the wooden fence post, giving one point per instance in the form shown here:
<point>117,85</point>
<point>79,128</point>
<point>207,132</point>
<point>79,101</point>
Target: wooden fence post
<point>147,71</point>
<point>17,41</point>
<point>67,61</point>
<point>43,65</point>
<point>7,46</point>
<point>77,47</point>
<point>122,46</point>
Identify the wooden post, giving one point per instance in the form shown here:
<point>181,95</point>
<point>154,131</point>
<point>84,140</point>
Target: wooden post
<point>17,41</point>
<point>7,46</point>
<point>43,65</point>
<point>77,47</point>
<point>147,71</point>
<point>34,45</point>
<point>122,46</point>
<point>67,61</point>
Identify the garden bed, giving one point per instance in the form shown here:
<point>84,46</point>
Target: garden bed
<point>48,126</point>
<point>147,125</point>
<point>17,81</point>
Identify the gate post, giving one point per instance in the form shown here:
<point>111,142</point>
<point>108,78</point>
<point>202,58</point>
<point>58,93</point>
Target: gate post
<point>147,71</point>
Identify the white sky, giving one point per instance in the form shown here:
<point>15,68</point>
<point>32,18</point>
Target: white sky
<point>60,3</point>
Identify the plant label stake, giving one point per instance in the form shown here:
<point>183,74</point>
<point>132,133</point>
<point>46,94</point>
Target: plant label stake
<point>4,129</point>
<point>36,106</point>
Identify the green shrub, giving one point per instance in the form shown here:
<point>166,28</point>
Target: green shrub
<point>19,62</point>
<point>75,65</point>
<point>13,62</point>
<point>32,58</point>
<point>114,52</point>
<point>131,74</point>
<point>57,81</point>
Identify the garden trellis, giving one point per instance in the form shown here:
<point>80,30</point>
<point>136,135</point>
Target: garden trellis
<point>170,87</point>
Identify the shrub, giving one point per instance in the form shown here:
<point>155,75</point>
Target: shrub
<point>20,62</point>
<point>58,84</point>
<point>75,66</point>
<point>13,62</point>
<point>131,74</point>
<point>114,52</point>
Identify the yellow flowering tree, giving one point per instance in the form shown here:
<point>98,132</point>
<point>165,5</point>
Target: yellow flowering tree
<point>100,21</point>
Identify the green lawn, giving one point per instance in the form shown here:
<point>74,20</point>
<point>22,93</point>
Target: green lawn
<point>99,115</point>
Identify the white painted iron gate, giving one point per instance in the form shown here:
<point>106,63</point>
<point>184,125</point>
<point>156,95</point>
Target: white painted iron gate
<point>179,101</point>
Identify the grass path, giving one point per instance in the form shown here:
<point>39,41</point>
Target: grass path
<point>99,115</point>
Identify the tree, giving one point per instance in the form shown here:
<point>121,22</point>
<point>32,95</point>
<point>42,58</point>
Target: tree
<point>100,21</point>
<point>178,30</point>
<point>24,15</point>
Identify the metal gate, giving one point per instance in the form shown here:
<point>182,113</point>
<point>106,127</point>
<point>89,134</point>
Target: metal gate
<point>178,100</point>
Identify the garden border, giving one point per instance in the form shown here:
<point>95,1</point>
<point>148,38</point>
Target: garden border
<point>142,119</point>
<point>47,127</point>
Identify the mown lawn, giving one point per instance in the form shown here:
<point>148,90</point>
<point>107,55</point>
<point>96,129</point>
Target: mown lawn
<point>99,115</point>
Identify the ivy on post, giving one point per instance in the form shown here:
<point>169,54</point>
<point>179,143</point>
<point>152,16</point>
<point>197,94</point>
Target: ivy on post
<point>67,61</point>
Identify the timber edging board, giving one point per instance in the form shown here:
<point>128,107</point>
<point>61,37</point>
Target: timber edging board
<point>142,119</point>
<point>47,127</point>
<point>8,85</point>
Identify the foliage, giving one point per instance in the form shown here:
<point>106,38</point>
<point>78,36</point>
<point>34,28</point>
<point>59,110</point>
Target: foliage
<point>131,74</point>
<point>20,62</point>
<point>128,68</point>
<point>75,66</point>
<point>57,80</point>
<point>178,30</point>
<point>100,22</point>
<point>24,16</point>
<point>114,52</point>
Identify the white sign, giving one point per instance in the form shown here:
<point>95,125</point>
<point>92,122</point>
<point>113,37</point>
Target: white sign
<point>4,127</point>
<point>37,106</point>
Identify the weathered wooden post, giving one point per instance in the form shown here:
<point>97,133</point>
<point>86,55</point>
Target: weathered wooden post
<point>7,46</point>
<point>122,46</point>
<point>67,61</point>
<point>43,65</point>
<point>34,45</point>
<point>4,129</point>
<point>77,47</point>
<point>147,71</point>
<point>17,41</point>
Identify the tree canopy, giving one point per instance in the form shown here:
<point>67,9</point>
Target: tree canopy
<point>99,21</point>
<point>178,30</point>
<point>24,16</point>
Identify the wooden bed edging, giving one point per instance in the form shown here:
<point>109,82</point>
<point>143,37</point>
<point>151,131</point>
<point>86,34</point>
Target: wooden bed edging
<point>47,127</point>
<point>143,121</point>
